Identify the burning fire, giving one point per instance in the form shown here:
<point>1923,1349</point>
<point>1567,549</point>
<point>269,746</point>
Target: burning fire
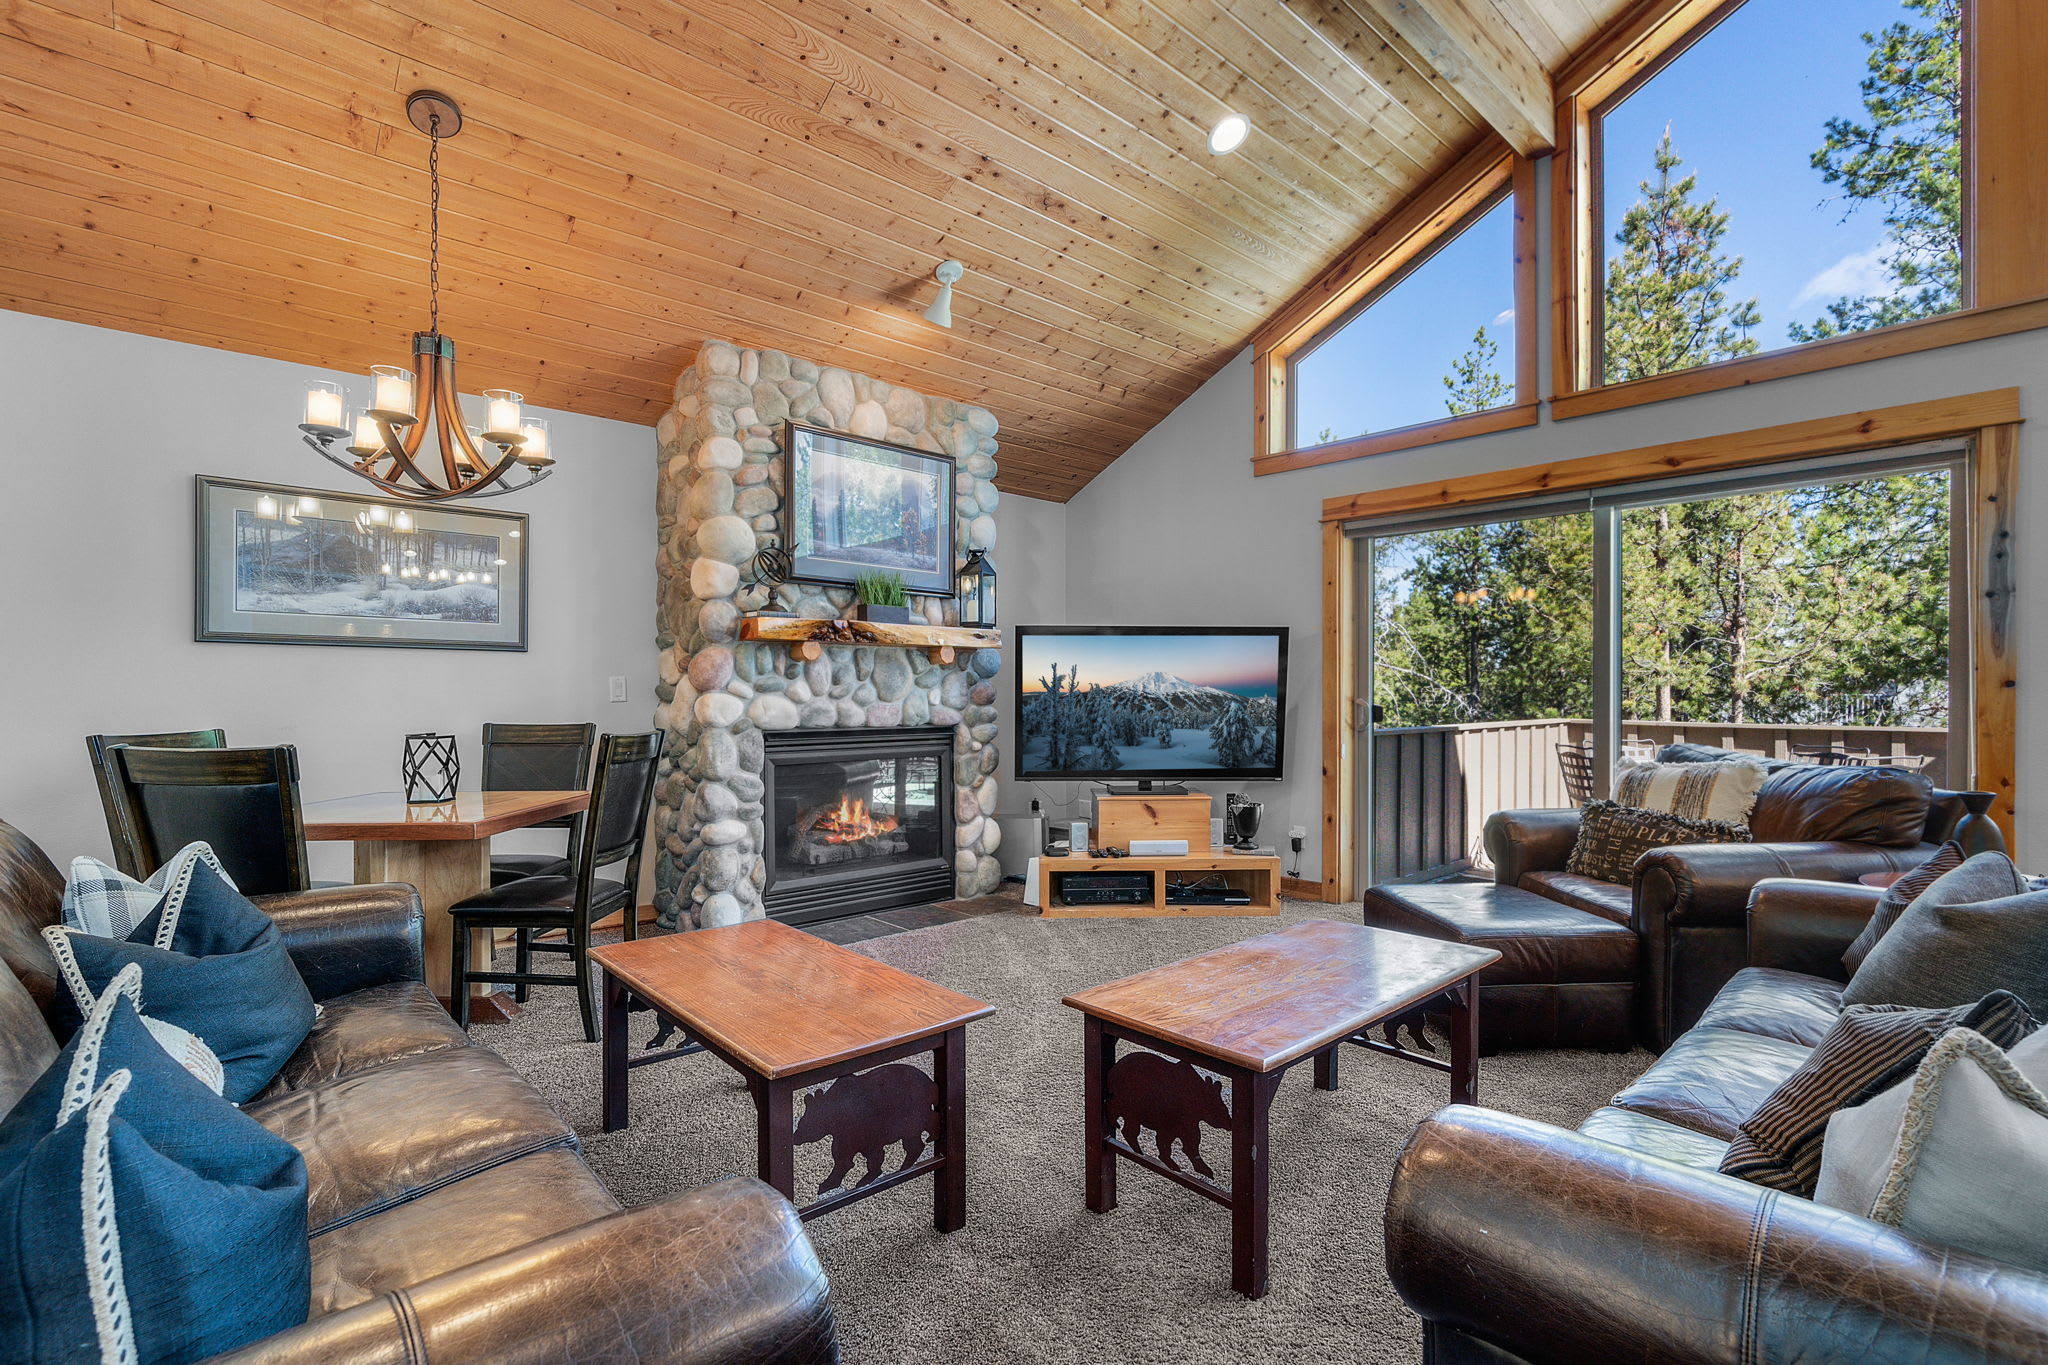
<point>850,823</point>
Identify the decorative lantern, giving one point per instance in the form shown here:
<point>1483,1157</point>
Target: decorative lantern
<point>432,768</point>
<point>976,584</point>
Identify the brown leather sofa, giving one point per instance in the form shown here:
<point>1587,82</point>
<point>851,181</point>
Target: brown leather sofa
<point>1687,903</point>
<point>1521,1242</point>
<point>452,1217</point>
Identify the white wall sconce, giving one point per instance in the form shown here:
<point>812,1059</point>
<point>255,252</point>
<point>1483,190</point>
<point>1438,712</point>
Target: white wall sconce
<point>940,314</point>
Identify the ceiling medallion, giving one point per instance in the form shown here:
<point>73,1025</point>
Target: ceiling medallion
<point>387,437</point>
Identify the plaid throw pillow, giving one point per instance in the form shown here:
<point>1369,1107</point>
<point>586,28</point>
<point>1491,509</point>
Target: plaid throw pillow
<point>1870,1049</point>
<point>108,903</point>
<point>1613,836</point>
<point>1897,897</point>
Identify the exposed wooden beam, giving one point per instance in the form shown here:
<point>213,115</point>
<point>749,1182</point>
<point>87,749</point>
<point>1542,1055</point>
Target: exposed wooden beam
<point>1482,58</point>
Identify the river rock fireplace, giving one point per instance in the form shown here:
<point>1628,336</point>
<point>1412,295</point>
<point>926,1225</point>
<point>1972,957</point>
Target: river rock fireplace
<point>758,728</point>
<point>857,820</point>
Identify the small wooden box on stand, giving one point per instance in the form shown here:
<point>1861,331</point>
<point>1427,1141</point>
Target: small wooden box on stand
<point>1202,881</point>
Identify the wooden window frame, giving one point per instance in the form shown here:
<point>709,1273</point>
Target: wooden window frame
<point>2005,211</point>
<point>1990,421</point>
<point>1372,267</point>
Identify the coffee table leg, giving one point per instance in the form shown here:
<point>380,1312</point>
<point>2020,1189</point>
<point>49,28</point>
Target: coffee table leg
<point>949,1188</point>
<point>775,1108</point>
<point>1326,1067</point>
<point>1465,1043</point>
<point>615,1000</point>
<point>1251,1103</point>
<point>1100,1055</point>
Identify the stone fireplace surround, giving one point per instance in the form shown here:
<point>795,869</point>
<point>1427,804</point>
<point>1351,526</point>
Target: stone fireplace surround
<point>719,497</point>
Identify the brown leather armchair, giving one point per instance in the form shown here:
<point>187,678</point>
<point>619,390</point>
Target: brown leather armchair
<point>1520,1242</point>
<point>1688,902</point>
<point>452,1218</point>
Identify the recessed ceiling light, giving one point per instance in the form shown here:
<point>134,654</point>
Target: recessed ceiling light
<point>1229,133</point>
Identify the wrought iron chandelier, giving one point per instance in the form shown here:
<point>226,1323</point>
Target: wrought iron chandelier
<point>387,437</point>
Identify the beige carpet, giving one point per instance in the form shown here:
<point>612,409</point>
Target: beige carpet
<point>1034,1276</point>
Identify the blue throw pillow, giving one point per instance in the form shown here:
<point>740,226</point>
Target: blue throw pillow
<point>212,964</point>
<point>142,1217</point>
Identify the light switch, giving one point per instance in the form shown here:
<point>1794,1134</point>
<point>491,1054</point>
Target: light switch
<point>618,689</point>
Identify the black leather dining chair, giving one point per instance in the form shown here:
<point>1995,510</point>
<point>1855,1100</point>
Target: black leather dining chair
<point>242,802</point>
<point>614,831</point>
<point>102,775</point>
<point>537,758</point>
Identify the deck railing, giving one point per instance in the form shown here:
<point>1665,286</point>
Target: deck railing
<point>1434,785</point>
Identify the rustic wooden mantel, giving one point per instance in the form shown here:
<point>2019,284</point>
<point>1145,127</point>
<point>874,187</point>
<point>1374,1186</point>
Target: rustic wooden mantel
<point>808,636</point>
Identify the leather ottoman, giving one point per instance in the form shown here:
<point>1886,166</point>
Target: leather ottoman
<point>1566,977</point>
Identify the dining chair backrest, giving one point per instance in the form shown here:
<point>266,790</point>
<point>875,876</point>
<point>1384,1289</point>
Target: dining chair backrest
<point>97,745</point>
<point>244,803</point>
<point>621,792</point>
<point>1575,763</point>
<point>538,758</point>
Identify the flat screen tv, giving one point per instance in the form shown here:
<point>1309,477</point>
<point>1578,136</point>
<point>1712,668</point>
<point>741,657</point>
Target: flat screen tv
<point>1145,704</point>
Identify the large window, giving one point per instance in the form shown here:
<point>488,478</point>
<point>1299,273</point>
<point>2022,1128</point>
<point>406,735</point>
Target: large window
<point>1792,174</point>
<point>1424,331</point>
<point>1438,341</point>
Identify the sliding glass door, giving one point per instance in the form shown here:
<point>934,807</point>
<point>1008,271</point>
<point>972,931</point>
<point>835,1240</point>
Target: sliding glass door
<point>1804,612</point>
<point>1481,644</point>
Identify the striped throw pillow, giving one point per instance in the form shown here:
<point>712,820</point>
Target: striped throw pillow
<point>1697,791</point>
<point>1897,897</point>
<point>1870,1049</point>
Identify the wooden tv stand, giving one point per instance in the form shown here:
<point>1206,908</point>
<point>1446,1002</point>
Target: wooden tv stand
<point>1257,874</point>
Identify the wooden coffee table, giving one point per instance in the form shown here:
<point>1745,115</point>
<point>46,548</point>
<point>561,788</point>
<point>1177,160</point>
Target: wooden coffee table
<point>788,1011</point>
<point>1246,1013</point>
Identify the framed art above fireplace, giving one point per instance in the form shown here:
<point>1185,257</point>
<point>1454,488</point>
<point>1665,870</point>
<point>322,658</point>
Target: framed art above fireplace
<point>858,506</point>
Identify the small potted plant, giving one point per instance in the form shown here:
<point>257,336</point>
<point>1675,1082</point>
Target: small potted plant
<point>882,598</point>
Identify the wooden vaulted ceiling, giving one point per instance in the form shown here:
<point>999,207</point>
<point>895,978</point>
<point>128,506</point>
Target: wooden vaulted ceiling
<point>637,175</point>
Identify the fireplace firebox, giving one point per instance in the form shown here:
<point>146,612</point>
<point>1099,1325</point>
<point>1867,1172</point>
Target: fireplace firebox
<point>857,820</point>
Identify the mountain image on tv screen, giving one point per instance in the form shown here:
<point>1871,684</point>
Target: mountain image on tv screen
<point>1134,704</point>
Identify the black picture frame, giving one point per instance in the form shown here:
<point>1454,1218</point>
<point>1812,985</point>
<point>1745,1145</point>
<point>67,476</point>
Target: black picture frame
<point>929,520</point>
<point>354,536</point>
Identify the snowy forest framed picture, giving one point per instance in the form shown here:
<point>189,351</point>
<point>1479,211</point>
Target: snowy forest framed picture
<point>858,506</point>
<point>305,566</point>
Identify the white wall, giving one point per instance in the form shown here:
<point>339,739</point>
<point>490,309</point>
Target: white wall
<point>1178,531</point>
<point>105,431</point>
<point>1031,589</point>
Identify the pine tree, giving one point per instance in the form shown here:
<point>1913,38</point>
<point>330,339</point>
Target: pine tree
<point>1906,158</point>
<point>1232,735</point>
<point>1057,719</point>
<point>1474,384</point>
<point>1667,302</point>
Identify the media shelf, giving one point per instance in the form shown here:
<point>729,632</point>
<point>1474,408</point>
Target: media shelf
<point>1258,875</point>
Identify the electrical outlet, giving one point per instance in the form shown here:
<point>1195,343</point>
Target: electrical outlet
<point>1297,831</point>
<point>618,689</point>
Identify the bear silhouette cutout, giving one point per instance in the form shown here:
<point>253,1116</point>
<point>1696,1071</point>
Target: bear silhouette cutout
<point>866,1113</point>
<point>1172,1099</point>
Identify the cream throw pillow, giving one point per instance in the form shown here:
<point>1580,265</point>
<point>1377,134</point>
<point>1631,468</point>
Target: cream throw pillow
<point>1697,791</point>
<point>1957,1153</point>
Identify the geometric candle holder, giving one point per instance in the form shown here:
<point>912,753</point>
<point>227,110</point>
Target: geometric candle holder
<point>432,768</point>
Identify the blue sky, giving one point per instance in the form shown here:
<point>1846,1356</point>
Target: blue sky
<point>1387,368</point>
<point>1747,106</point>
<point>1245,664</point>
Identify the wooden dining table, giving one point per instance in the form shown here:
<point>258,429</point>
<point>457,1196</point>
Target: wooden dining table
<point>443,851</point>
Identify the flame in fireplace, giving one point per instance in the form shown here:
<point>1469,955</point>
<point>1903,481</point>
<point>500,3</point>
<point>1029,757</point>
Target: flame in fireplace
<point>850,822</point>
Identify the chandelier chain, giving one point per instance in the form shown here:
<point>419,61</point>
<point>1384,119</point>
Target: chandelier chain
<point>434,224</point>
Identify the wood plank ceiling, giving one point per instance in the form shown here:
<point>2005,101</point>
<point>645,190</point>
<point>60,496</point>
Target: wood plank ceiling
<point>637,175</point>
